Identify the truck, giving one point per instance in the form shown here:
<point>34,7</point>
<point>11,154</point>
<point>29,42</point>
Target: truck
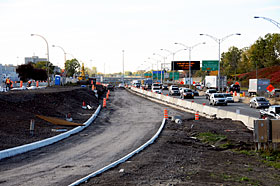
<point>258,86</point>
<point>211,82</point>
<point>273,112</point>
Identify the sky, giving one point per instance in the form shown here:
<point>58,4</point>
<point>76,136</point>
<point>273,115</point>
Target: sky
<point>96,32</point>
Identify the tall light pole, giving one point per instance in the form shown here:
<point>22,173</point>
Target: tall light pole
<point>123,65</point>
<point>63,52</point>
<point>48,57</point>
<point>270,20</point>
<point>189,48</point>
<point>157,66</point>
<point>219,42</point>
<point>173,56</point>
<point>160,65</point>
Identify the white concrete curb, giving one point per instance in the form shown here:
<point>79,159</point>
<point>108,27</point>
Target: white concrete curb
<point>28,147</point>
<point>123,159</point>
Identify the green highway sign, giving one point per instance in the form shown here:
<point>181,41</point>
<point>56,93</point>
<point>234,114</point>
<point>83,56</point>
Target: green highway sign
<point>210,65</point>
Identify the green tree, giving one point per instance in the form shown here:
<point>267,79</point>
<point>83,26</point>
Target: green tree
<point>230,61</point>
<point>43,65</point>
<point>72,67</point>
<point>127,73</point>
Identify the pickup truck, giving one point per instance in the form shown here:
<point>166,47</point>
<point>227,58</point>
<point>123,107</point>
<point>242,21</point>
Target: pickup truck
<point>273,112</point>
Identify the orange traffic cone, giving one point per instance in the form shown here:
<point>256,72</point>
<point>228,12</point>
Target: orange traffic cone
<point>235,94</point>
<point>165,114</point>
<point>197,115</point>
<point>20,84</point>
<point>244,94</point>
<point>37,83</point>
<point>92,87</point>
<point>104,102</point>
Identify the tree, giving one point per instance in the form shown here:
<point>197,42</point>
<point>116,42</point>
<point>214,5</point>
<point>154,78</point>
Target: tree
<point>230,61</point>
<point>27,71</point>
<point>43,65</point>
<point>72,67</point>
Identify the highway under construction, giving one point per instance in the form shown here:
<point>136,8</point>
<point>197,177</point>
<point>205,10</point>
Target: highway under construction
<point>182,154</point>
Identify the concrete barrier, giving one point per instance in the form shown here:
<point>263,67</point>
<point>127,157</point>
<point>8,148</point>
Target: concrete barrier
<point>222,113</point>
<point>28,147</point>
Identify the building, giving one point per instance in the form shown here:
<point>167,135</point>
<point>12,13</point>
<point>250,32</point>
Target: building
<point>8,71</point>
<point>34,59</point>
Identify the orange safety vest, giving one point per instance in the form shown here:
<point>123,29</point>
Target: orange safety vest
<point>8,81</point>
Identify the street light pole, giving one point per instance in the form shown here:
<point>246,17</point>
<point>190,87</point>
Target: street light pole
<point>48,57</point>
<point>189,48</point>
<point>270,20</point>
<point>219,43</point>
<point>152,69</point>
<point>173,56</point>
<point>63,52</point>
<point>161,65</point>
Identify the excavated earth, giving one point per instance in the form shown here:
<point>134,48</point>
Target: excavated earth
<point>178,157</point>
<point>19,107</point>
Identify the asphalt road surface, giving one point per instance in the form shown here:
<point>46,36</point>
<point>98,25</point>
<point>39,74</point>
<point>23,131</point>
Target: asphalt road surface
<point>126,123</point>
<point>242,107</point>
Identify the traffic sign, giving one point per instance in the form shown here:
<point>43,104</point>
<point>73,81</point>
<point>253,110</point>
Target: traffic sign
<point>184,65</point>
<point>210,65</point>
<point>270,88</point>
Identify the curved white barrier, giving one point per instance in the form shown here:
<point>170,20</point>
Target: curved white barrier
<point>122,159</point>
<point>28,147</point>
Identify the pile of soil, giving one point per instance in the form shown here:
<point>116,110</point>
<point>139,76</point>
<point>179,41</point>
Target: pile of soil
<point>19,107</point>
<point>180,157</point>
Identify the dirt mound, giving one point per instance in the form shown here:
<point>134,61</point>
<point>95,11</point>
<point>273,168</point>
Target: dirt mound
<point>19,107</point>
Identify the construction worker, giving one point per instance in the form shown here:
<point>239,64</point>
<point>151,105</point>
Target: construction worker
<point>8,84</point>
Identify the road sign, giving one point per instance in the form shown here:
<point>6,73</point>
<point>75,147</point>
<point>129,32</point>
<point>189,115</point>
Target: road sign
<point>270,88</point>
<point>210,65</point>
<point>184,65</point>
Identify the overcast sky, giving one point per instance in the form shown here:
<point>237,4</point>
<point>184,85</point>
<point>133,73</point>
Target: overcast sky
<point>96,31</point>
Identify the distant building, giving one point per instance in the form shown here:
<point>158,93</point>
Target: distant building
<point>34,59</point>
<point>8,71</point>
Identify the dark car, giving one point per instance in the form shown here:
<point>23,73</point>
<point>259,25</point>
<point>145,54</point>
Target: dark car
<point>110,87</point>
<point>164,87</point>
<point>234,87</point>
<point>195,92</point>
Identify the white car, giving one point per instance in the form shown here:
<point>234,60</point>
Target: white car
<point>229,98</point>
<point>218,99</point>
<point>209,92</point>
<point>121,85</point>
<point>181,89</point>
<point>156,89</point>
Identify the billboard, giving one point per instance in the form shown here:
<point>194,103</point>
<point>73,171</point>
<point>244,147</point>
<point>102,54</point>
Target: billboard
<point>184,65</point>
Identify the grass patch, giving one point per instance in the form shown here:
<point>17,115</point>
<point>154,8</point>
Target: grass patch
<point>210,138</point>
<point>272,159</point>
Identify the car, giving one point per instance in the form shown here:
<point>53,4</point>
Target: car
<point>198,87</point>
<point>229,97</point>
<point>164,87</point>
<point>273,112</point>
<point>234,87</point>
<point>121,85</point>
<point>174,90</point>
<point>181,89</point>
<point>195,92</point>
<point>156,89</point>
<point>209,92</point>
<point>110,87</point>
<point>259,102</point>
<point>148,86</point>
<point>186,93</point>
<point>217,99</point>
